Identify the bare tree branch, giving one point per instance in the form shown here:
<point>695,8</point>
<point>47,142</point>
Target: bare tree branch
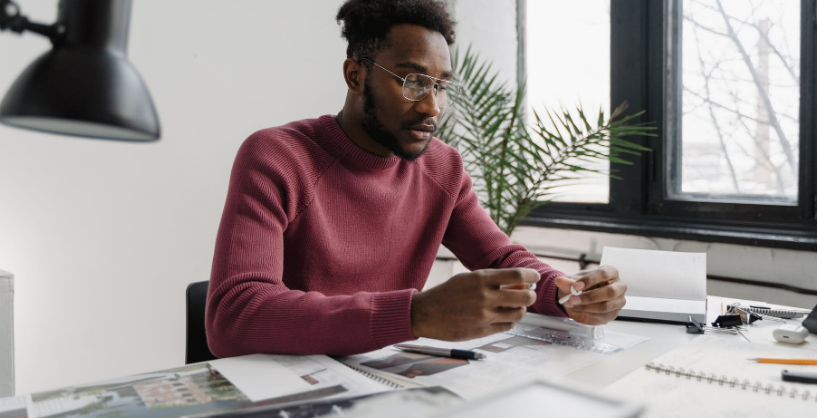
<point>784,142</point>
<point>774,49</point>
<point>781,188</point>
<point>724,107</point>
<point>715,122</point>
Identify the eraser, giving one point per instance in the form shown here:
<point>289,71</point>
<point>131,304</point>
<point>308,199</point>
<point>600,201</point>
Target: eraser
<point>792,334</point>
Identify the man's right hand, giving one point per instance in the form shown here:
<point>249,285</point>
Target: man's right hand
<point>473,305</point>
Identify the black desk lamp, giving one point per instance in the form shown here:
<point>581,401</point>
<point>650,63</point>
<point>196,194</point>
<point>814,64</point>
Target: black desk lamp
<point>85,85</point>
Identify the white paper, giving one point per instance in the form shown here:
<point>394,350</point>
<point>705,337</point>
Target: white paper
<point>659,274</point>
<point>681,306</point>
<point>259,378</point>
<point>265,376</point>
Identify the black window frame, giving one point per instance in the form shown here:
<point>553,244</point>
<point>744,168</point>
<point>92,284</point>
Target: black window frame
<point>638,204</point>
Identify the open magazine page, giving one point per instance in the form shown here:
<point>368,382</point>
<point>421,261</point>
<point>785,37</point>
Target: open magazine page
<point>199,389</point>
<point>511,359</point>
<point>267,376</point>
<point>409,403</point>
<point>191,389</point>
<point>322,372</point>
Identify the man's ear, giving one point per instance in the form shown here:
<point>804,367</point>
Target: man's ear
<point>354,74</point>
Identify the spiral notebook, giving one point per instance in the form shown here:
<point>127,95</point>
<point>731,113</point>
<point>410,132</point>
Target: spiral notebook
<point>712,377</point>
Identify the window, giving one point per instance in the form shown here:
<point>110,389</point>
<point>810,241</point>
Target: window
<point>735,128</point>
<point>730,85</point>
<point>555,80</point>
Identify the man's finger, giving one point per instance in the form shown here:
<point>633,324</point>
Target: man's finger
<point>605,307</point>
<point>604,293</point>
<point>514,298</point>
<point>598,277</point>
<point>501,277</point>
<point>507,315</point>
<point>564,284</point>
<point>497,328</point>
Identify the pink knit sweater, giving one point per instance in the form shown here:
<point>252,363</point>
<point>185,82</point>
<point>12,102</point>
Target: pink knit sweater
<point>322,245</point>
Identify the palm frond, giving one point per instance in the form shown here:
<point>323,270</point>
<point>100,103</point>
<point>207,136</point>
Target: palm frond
<point>517,168</point>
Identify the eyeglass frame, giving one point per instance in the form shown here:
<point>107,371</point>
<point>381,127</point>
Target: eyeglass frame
<point>404,79</point>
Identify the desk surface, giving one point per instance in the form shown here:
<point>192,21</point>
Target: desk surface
<point>663,339</point>
<point>603,372</point>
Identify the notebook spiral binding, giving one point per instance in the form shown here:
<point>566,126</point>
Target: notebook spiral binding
<point>778,313</point>
<point>376,378</point>
<point>758,387</point>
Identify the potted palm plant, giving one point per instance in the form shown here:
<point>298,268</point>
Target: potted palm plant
<point>515,167</point>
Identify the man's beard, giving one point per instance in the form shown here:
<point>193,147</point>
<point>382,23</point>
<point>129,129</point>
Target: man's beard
<point>378,132</point>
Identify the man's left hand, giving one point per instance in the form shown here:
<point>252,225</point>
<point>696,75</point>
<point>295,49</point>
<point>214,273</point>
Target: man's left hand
<point>602,295</point>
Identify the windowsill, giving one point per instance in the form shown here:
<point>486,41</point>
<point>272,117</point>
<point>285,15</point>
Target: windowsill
<point>797,237</point>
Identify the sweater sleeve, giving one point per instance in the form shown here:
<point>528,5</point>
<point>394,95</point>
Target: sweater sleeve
<point>250,309</point>
<point>479,243</point>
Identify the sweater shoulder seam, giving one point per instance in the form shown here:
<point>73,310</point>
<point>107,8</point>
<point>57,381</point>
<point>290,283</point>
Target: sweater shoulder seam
<point>427,173</point>
<point>313,186</point>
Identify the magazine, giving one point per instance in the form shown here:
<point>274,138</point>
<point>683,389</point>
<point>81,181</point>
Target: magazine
<point>198,389</point>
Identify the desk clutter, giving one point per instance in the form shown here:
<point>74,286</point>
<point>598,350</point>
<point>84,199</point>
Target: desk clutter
<point>715,376</point>
<point>387,382</point>
<point>538,346</point>
<point>742,359</point>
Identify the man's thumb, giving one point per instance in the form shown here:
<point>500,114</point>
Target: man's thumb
<point>564,283</point>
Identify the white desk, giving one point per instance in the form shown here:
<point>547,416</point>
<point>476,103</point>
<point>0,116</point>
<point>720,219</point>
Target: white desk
<point>663,339</point>
<point>608,369</point>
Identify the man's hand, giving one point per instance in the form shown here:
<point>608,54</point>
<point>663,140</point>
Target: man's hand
<point>473,305</point>
<point>602,297</point>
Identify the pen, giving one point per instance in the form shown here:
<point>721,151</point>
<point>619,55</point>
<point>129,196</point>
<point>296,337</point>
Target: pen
<point>807,362</point>
<point>442,352</point>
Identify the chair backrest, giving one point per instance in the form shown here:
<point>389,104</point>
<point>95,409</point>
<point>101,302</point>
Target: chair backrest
<point>197,349</point>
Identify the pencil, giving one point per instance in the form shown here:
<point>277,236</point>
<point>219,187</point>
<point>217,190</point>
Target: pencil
<point>807,362</point>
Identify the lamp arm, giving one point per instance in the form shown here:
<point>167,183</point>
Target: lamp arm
<point>11,19</point>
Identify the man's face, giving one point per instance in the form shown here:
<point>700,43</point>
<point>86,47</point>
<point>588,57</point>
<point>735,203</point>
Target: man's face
<point>402,126</point>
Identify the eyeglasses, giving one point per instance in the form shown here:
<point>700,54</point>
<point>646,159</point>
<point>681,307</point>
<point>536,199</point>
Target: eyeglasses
<point>416,87</point>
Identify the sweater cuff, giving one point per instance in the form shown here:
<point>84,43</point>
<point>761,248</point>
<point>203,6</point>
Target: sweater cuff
<point>547,300</point>
<point>391,317</point>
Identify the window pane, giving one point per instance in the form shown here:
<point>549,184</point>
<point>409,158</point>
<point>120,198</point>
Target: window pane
<point>568,64</point>
<point>740,93</point>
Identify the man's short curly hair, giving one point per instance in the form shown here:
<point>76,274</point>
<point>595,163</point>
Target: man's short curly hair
<point>367,22</point>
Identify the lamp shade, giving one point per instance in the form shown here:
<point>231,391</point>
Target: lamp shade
<point>85,86</point>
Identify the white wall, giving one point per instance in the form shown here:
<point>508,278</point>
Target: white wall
<point>6,334</point>
<point>489,26</point>
<point>103,236</point>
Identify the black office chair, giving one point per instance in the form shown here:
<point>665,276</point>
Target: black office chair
<point>197,349</point>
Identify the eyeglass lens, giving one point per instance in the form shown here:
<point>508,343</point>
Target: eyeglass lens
<point>417,86</point>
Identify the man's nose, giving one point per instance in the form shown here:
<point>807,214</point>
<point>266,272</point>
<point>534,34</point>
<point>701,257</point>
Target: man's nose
<point>428,105</point>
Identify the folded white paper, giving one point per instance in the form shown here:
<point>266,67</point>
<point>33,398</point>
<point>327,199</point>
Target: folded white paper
<point>661,285</point>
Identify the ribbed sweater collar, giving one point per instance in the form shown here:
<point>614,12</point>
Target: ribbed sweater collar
<point>338,143</point>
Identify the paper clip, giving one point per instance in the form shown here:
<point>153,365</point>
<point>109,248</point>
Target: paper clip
<point>736,308</point>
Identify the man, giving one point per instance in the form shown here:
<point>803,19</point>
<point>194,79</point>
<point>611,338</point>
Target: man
<point>332,224</point>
